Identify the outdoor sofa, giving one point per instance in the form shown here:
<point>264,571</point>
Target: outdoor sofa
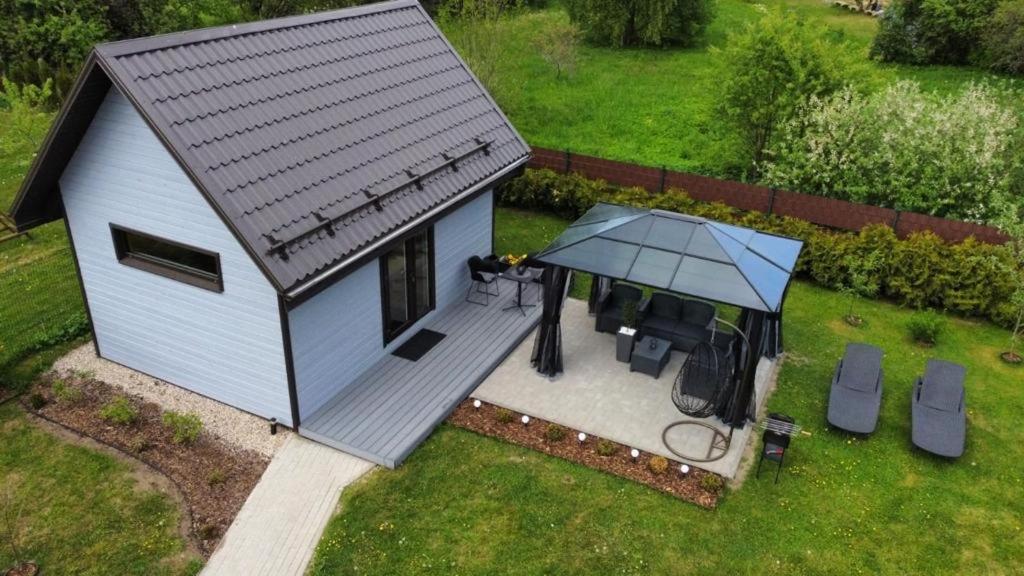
<point>856,395</point>
<point>612,303</point>
<point>681,321</point>
<point>937,409</point>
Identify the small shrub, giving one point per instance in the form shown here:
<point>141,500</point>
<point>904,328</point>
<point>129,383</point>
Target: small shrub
<point>36,401</point>
<point>658,464</point>
<point>606,447</point>
<point>64,393</point>
<point>926,327</point>
<point>216,477</point>
<point>712,483</point>
<point>504,415</point>
<point>186,427</point>
<point>554,432</point>
<point>208,532</point>
<point>83,374</point>
<point>139,444</point>
<point>119,411</point>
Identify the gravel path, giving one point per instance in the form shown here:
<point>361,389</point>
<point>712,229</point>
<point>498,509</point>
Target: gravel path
<point>230,424</point>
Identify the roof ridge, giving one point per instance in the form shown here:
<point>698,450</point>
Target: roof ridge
<point>133,46</point>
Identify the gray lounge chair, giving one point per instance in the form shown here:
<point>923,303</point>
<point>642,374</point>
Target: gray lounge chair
<point>938,412</point>
<point>856,395</point>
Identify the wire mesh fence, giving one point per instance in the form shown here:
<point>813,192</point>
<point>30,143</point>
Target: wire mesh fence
<point>40,303</point>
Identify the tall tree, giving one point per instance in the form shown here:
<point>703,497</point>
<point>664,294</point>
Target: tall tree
<point>642,22</point>
<point>770,69</point>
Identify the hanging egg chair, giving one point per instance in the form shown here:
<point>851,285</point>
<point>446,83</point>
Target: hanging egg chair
<point>702,381</point>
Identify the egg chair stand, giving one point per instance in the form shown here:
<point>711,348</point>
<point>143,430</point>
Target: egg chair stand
<point>704,383</point>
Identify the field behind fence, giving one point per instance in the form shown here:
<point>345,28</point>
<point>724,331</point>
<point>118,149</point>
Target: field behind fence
<point>40,302</point>
<point>829,212</point>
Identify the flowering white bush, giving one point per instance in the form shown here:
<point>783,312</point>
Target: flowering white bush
<point>949,156</point>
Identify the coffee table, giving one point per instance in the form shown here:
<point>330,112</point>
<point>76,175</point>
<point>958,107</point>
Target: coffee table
<point>650,355</point>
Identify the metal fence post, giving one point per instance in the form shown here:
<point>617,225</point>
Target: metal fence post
<point>771,201</point>
<point>896,223</point>
<point>568,161</point>
<point>662,186</point>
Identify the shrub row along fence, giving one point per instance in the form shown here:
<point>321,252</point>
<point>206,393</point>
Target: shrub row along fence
<point>837,214</point>
<point>971,278</point>
<point>40,303</point>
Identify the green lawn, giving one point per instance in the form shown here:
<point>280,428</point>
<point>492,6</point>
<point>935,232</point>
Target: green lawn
<point>464,504</point>
<point>654,106</point>
<point>83,512</point>
<point>38,286</point>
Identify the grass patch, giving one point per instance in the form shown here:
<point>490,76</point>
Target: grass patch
<point>84,512</point>
<point>656,107</point>
<point>470,505</point>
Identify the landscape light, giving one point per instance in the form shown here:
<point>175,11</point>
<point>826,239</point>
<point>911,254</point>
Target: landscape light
<point>526,419</point>
<point>582,437</point>
<point>684,469</point>
<point>476,404</point>
<point>634,453</point>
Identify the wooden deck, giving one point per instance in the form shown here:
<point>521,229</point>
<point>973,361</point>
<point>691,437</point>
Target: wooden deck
<point>397,403</point>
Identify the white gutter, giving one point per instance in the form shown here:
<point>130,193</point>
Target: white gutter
<point>403,230</point>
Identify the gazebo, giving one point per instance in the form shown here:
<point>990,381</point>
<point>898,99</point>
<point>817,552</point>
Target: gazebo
<point>678,253</point>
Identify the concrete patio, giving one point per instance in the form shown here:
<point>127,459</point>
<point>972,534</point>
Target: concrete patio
<point>600,396</point>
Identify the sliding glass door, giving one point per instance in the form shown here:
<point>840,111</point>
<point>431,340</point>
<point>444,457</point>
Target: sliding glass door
<point>407,283</point>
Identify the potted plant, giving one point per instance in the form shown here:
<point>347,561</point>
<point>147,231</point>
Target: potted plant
<point>12,526</point>
<point>627,333</point>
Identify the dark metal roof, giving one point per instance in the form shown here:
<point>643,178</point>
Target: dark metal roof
<point>315,137</point>
<point>679,253</point>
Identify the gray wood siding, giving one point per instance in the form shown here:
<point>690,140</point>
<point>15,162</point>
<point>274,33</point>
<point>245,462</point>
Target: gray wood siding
<point>223,345</point>
<point>338,334</point>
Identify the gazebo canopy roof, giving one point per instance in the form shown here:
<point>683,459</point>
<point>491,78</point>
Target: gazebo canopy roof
<point>679,253</point>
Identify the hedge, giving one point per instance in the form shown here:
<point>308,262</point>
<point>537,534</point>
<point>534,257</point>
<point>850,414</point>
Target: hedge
<point>970,278</point>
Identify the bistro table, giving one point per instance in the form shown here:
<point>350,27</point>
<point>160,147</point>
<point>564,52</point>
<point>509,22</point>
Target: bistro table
<point>520,278</point>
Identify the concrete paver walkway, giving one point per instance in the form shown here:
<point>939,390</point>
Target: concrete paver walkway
<point>282,520</point>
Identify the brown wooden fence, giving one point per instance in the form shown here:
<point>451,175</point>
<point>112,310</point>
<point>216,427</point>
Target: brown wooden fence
<point>829,212</point>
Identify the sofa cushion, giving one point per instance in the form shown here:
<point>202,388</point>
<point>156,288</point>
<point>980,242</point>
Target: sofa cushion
<point>666,306</point>
<point>698,313</point>
<point>665,326</point>
<point>691,331</point>
<point>622,293</point>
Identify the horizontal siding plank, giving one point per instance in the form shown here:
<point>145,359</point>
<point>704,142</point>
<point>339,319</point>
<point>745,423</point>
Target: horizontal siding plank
<point>227,345</point>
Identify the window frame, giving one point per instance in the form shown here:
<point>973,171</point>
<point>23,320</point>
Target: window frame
<point>166,268</point>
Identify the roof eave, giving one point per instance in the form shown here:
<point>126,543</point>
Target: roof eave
<point>29,210</point>
<point>338,270</point>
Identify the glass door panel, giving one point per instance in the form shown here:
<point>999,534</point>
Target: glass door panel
<point>421,274</point>
<point>407,283</point>
<point>397,305</point>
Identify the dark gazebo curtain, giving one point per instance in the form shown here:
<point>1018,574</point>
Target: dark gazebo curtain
<point>598,285</point>
<point>547,348</point>
<point>741,405</point>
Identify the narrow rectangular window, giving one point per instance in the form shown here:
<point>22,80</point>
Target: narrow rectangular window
<point>167,258</point>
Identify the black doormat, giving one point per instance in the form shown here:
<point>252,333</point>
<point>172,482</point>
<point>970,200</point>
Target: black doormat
<point>414,348</point>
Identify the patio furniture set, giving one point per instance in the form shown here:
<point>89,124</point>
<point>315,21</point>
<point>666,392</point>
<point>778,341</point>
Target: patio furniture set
<point>938,411</point>
<point>665,322</point>
<point>484,274</point>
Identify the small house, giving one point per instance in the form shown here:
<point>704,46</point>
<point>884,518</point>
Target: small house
<point>262,213</point>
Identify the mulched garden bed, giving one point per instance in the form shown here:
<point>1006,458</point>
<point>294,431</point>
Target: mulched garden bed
<point>214,477</point>
<point>699,487</point>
